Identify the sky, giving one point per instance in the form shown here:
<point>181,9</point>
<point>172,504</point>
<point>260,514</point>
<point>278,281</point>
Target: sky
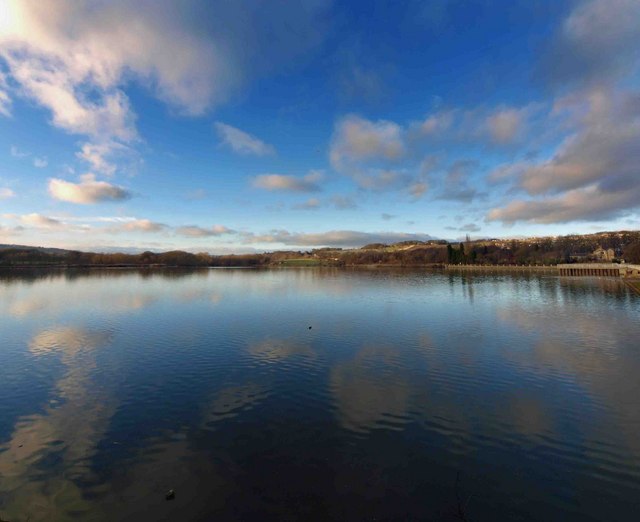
<point>214,126</point>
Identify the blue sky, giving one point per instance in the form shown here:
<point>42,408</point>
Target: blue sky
<point>232,127</point>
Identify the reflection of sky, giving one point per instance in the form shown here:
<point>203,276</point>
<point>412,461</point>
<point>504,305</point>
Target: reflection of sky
<point>139,373</point>
<point>68,429</point>
<point>367,394</point>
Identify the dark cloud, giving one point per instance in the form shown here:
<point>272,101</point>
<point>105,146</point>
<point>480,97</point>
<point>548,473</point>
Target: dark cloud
<point>343,202</point>
<point>593,175</point>
<point>456,182</point>
<point>598,42</point>
<point>470,227</point>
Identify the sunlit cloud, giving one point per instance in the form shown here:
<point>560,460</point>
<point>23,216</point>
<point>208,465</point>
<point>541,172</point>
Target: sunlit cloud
<point>142,225</point>
<point>357,139</point>
<point>593,173</point>
<point>505,125</point>
<point>88,191</point>
<point>102,157</point>
<point>77,60</point>
<point>35,220</point>
<point>196,231</point>
<point>584,204</point>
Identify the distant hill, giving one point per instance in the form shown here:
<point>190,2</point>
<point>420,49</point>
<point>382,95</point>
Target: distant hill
<point>602,246</point>
<point>44,250</point>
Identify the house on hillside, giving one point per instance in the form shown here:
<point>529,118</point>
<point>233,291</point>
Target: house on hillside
<point>600,254</point>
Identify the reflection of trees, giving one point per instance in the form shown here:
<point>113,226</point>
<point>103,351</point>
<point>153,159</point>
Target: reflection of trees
<point>28,275</point>
<point>31,275</point>
<point>66,433</point>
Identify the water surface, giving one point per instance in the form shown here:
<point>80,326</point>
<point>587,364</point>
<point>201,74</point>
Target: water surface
<point>412,395</point>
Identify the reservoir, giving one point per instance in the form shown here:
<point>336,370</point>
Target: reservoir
<point>318,394</point>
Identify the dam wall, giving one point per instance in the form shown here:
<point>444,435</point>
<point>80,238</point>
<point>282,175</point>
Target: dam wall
<point>599,270</point>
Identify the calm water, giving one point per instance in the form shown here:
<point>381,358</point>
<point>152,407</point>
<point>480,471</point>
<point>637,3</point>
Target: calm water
<point>412,394</point>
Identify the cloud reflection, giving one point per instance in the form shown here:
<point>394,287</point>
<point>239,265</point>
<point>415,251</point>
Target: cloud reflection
<point>277,350</point>
<point>371,390</point>
<point>66,433</point>
<point>231,401</point>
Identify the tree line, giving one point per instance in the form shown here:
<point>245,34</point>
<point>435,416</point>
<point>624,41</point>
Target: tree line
<point>542,251</point>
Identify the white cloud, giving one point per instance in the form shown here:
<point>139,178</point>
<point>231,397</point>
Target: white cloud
<point>17,153</point>
<point>6,193</point>
<point>97,155</point>
<point>196,231</point>
<point>438,123</point>
<point>36,220</point>
<point>5,100</point>
<point>142,225</point>
<point>97,219</point>
<point>357,140</point>
<point>40,163</point>
<point>76,58</point>
<point>280,182</point>
<point>242,142</point>
<point>87,192</point>
<point>94,46</point>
